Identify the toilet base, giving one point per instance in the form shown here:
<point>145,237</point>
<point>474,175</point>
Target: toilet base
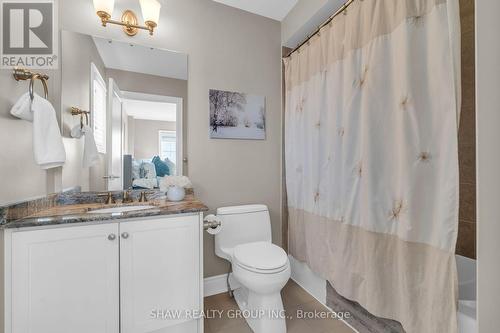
<point>263,313</point>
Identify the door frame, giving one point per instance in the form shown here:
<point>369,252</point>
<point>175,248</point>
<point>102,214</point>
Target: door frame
<point>178,101</point>
<point>113,89</point>
<point>95,75</point>
<point>487,163</point>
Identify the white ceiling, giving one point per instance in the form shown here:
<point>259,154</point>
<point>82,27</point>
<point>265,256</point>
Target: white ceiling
<point>142,59</point>
<point>275,9</point>
<point>149,110</point>
<point>306,18</point>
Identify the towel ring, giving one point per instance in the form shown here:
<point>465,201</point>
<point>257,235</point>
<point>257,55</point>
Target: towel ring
<point>24,74</point>
<point>78,112</point>
<point>32,83</point>
<point>86,120</point>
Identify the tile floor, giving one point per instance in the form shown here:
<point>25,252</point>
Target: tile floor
<point>294,299</point>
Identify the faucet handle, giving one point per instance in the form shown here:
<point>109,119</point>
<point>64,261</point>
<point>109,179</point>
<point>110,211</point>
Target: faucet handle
<point>109,198</point>
<point>143,197</point>
<point>126,197</point>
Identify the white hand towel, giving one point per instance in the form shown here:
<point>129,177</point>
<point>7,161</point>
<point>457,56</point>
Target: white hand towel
<point>76,131</point>
<point>90,154</point>
<point>48,145</point>
<point>22,108</point>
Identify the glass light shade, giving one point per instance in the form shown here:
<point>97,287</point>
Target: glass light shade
<point>150,10</point>
<point>104,6</point>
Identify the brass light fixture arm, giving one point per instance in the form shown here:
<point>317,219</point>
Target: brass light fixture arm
<point>129,22</point>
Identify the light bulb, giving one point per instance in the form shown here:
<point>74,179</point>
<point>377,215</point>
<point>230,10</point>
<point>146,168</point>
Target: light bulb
<point>104,6</point>
<point>150,10</point>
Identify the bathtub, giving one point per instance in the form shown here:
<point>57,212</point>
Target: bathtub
<point>466,295</point>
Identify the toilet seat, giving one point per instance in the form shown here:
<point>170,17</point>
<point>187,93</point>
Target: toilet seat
<point>260,257</point>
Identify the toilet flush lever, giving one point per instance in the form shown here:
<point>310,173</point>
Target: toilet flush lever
<point>211,222</point>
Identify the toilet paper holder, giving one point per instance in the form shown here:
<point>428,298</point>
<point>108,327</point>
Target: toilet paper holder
<point>211,222</point>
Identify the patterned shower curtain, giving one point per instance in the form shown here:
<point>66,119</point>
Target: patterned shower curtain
<point>372,109</point>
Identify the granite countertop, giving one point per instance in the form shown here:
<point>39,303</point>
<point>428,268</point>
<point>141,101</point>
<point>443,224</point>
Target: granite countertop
<point>72,209</point>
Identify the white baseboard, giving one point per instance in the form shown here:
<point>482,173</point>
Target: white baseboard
<point>214,285</point>
<point>310,282</point>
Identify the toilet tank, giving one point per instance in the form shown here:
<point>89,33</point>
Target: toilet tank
<point>241,224</point>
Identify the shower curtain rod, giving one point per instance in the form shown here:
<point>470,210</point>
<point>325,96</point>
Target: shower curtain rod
<point>339,11</point>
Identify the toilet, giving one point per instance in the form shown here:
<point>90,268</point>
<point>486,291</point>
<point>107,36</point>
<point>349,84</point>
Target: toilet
<point>260,269</point>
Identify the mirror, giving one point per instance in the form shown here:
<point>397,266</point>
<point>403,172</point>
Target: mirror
<point>131,99</point>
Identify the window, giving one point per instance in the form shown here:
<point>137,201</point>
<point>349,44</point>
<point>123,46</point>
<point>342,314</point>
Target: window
<point>98,108</point>
<point>168,145</point>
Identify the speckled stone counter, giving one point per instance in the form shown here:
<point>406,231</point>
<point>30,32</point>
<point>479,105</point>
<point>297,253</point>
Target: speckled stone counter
<point>74,207</point>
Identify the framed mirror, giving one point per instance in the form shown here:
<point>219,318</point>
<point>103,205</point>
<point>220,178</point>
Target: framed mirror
<point>132,100</point>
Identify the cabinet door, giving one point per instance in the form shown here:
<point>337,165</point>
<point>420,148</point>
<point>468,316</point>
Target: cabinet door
<point>65,280</point>
<point>159,272</point>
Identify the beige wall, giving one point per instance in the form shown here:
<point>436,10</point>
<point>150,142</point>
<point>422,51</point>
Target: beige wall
<point>149,84</point>
<point>228,49</point>
<point>488,163</point>
<point>146,137</point>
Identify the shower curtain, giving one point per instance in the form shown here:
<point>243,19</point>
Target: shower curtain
<point>371,119</point>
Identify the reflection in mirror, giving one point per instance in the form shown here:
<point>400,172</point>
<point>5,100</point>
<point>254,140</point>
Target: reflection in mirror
<point>136,99</point>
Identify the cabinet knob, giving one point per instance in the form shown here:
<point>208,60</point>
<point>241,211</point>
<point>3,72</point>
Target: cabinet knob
<point>111,237</point>
<point>125,235</point>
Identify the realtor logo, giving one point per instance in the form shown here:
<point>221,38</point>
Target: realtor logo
<point>29,37</point>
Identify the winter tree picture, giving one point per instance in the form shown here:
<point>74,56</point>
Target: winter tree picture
<point>236,115</point>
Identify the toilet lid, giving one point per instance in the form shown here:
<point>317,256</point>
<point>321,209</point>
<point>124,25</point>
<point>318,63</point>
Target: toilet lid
<point>260,255</point>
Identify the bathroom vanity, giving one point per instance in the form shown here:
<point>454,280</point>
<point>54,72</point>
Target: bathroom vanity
<point>74,268</point>
<point>79,262</point>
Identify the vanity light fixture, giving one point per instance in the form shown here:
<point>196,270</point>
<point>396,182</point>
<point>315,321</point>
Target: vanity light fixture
<point>150,12</point>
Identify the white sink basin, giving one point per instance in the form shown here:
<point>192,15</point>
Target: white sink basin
<point>122,209</point>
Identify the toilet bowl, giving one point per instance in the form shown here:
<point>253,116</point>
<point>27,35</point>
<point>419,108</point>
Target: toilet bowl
<point>260,268</point>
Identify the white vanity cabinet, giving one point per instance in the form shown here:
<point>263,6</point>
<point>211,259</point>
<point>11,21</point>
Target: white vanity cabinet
<point>116,277</point>
<point>160,271</point>
<point>62,280</point>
